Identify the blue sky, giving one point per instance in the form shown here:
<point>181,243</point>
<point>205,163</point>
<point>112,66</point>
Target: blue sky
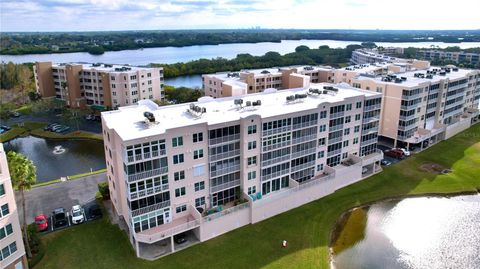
<point>100,15</point>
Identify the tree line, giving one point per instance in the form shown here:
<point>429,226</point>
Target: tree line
<point>303,55</point>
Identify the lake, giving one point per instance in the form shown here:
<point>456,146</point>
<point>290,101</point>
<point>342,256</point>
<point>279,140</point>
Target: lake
<point>168,55</point>
<point>191,81</point>
<point>79,157</point>
<point>418,233</point>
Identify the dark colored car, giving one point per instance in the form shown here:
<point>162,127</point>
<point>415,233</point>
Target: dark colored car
<point>94,212</point>
<point>394,153</point>
<point>180,238</point>
<point>59,218</point>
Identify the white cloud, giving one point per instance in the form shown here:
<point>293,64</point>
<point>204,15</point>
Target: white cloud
<point>65,15</point>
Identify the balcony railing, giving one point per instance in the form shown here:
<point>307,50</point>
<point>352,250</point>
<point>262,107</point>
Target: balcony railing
<point>411,117</point>
<point>167,233</point>
<point>370,141</point>
<point>149,191</point>
<point>223,171</point>
<point>302,166</point>
<point>226,212</point>
<point>276,174</point>
<point>304,138</point>
<point>147,155</point>
<point>370,130</point>
<point>224,186</point>
<point>223,139</point>
<point>303,152</point>
<point>305,124</point>
<point>147,174</point>
<point>277,130</point>
<point>335,140</point>
<point>337,115</point>
<point>335,128</point>
<point>335,152</point>
<point>276,160</point>
<point>276,146</point>
<point>150,208</point>
<point>223,155</point>
<point>370,119</point>
<point>371,108</point>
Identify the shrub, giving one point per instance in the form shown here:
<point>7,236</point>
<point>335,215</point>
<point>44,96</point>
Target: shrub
<point>36,245</point>
<point>104,191</point>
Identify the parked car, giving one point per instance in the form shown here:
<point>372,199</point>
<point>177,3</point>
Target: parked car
<point>77,214</point>
<point>50,126</point>
<point>364,170</point>
<point>94,212</point>
<point>180,238</point>
<point>89,117</point>
<point>56,127</point>
<point>59,217</point>
<point>42,222</point>
<point>15,114</point>
<point>385,163</point>
<point>394,153</point>
<point>62,129</point>
<point>405,151</point>
<point>5,127</point>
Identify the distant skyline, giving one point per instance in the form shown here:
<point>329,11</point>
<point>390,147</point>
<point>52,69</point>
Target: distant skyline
<point>105,15</point>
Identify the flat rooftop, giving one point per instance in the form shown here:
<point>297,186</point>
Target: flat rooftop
<point>263,71</point>
<point>129,122</point>
<point>413,81</point>
<point>104,67</point>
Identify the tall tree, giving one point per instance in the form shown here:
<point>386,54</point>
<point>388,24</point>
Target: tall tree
<point>23,175</point>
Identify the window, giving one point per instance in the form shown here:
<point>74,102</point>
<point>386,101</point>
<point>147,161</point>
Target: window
<point>198,170</point>
<point>359,105</point>
<point>2,189</point>
<point>197,154</point>
<point>198,137</point>
<point>6,231</point>
<point>355,140</point>
<point>346,131</point>
<point>252,129</point>
<point>357,129</point>
<point>321,141</point>
<point>252,145</point>
<point>321,154</point>
<point>199,201</point>
<point>178,159</point>
<point>180,192</point>
<point>252,175</point>
<point>252,160</point>
<point>4,210</point>
<point>177,141</point>
<point>180,175</point>
<point>345,143</point>
<point>349,107</point>
<point>323,114</point>
<point>357,117</point>
<point>348,119</point>
<point>181,209</point>
<point>200,186</point>
<point>319,167</point>
<point>323,128</point>
<point>252,190</point>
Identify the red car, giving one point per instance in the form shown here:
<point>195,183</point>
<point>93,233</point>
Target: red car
<point>395,153</point>
<point>42,222</point>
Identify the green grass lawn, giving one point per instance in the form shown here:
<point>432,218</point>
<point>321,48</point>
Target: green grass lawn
<point>307,229</point>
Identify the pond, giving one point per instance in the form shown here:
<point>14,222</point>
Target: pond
<point>59,158</point>
<point>413,233</point>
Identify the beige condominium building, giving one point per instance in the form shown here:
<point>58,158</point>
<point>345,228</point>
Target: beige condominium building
<point>424,106</point>
<point>454,56</point>
<point>226,84</point>
<point>371,56</point>
<point>12,251</point>
<point>98,86</point>
<point>206,168</point>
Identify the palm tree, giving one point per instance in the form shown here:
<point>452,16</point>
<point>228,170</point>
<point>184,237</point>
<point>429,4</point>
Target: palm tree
<point>23,175</point>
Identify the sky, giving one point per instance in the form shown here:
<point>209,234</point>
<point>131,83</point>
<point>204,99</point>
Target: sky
<point>103,15</point>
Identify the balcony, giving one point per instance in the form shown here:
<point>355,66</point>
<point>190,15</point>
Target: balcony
<point>302,166</point>
<point>277,160</point>
<point>276,146</point>
<point>370,119</point>
<point>224,155</point>
<point>370,130</point>
<point>224,186</point>
<point>166,230</point>
<point>146,174</point>
<point>335,152</point>
<point>150,208</point>
<point>405,118</point>
<point>302,153</point>
<point>145,156</point>
<point>335,128</point>
<point>277,130</point>
<point>223,139</point>
<point>304,124</point>
<point>149,191</point>
<point>304,139</point>
<point>371,108</point>
<point>337,115</point>
<point>335,140</point>
<point>224,171</point>
<point>276,174</point>
<point>370,141</point>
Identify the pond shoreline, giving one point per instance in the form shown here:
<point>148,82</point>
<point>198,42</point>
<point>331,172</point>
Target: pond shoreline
<point>341,220</point>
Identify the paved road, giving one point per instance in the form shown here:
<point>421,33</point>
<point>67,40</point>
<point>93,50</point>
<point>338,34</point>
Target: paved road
<point>64,194</point>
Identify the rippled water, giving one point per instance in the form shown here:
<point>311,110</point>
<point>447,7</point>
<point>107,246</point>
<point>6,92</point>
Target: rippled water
<point>79,157</point>
<point>418,233</point>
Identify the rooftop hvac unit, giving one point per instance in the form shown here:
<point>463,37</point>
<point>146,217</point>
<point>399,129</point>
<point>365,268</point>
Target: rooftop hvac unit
<point>257,103</point>
<point>290,98</point>
<point>149,115</point>
<point>238,102</point>
<point>248,103</point>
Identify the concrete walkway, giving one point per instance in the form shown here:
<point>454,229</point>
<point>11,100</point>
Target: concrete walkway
<point>42,200</point>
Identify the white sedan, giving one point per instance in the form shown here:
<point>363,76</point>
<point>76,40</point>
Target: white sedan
<point>77,214</point>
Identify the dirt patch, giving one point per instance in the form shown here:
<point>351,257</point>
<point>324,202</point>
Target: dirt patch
<point>434,168</point>
<point>349,230</point>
